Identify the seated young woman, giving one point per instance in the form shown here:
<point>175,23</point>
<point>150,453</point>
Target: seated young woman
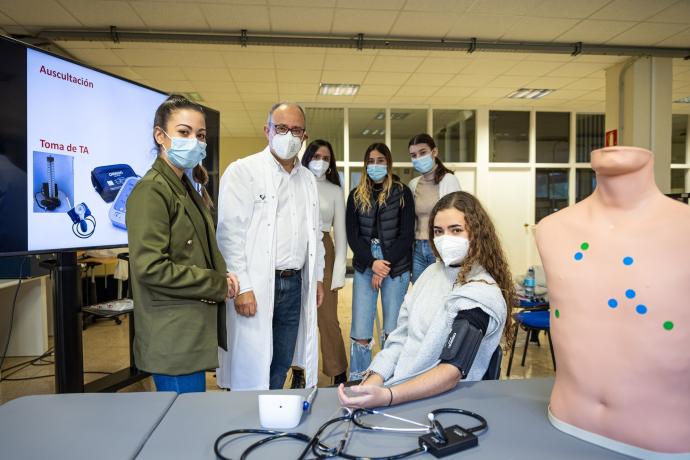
<point>451,320</point>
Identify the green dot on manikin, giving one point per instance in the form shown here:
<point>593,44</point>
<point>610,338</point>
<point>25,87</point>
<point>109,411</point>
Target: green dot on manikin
<point>668,325</point>
<point>584,246</point>
<point>557,313</point>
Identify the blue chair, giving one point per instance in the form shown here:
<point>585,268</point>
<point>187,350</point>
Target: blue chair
<point>531,321</point>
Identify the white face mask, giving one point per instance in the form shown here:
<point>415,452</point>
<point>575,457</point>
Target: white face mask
<point>286,146</point>
<point>318,167</point>
<point>452,249</point>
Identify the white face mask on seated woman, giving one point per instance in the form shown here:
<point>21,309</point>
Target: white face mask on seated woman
<point>452,249</point>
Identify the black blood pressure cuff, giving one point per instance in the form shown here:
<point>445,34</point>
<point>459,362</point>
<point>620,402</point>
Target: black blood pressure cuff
<point>464,339</point>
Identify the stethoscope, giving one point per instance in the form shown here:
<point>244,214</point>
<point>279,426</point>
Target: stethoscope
<point>354,417</point>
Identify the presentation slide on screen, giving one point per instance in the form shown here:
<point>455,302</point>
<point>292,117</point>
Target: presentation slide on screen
<point>89,138</point>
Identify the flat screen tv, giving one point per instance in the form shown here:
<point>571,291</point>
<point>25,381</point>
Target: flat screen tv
<point>73,142</point>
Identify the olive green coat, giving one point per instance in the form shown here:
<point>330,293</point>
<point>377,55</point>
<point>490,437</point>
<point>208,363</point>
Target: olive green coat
<point>177,276</point>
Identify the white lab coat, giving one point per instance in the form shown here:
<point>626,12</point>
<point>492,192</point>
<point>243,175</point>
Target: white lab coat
<point>247,208</point>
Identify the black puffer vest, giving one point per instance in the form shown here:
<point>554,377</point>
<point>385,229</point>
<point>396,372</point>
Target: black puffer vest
<point>387,220</point>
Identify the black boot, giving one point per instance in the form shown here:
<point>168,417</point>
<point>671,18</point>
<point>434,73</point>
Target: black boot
<point>340,378</point>
<point>297,378</point>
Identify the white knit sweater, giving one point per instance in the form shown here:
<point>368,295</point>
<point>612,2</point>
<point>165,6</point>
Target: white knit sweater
<point>426,317</point>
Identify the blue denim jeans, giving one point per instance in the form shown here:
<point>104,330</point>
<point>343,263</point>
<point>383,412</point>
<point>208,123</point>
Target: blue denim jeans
<point>190,383</point>
<point>422,257</point>
<point>286,312</point>
<point>364,299</point>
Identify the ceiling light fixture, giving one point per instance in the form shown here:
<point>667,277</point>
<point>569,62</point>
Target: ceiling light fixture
<point>394,115</point>
<point>528,93</point>
<point>682,100</point>
<point>338,89</point>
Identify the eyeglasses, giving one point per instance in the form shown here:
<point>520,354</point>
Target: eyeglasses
<point>283,129</point>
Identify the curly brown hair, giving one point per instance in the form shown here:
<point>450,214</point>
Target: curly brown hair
<point>485,249</point>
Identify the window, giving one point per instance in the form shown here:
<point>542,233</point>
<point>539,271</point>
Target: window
<point>678,138</point>
<point>508,136</point>
<point>553,137</point>
<point>328,124</point>
<point>678,180</point>
<point>551,192</point>
<point>454,134</point>
<point>585,182</point>
<point>366,127</point>
<point>405,123</point>
<point>589,134</point>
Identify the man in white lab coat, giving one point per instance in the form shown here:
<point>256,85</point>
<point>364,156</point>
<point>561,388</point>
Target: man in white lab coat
<point>269,234</point>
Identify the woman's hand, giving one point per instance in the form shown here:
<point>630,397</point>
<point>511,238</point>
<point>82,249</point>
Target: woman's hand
<point>376,282</point>
<point>233,285</point>
<point>381,267</point>
<point>364,396</point>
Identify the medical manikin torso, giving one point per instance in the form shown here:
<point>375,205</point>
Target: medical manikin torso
<point>618,270</point>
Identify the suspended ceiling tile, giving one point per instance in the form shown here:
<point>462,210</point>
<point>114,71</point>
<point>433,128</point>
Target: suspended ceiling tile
<point>296,97</point>
<point>396,64</point>
<point>408,101</point>
<point>298,76</point>
<point>631,10</point>
<point>492,92</point>
<point>587,83</point>
<point>366,21</point>
<point>680,40</point>
<point>647,34</point>
<point>459,6</point>
<point>378,90</point>
<point>219,96</point>
<point>160,73</point>
<point>244,87</point>
<point>364,99</point>
<point>334,99</point>
<point>295,20</point>
<point>211,74</point>
<point>443,65</point>
<point>569,93</point>
<point>268,98</point>
<point>551,82</point>
<point>48,13</point>
<point>488,67</point>
<point>538,29</point>
<point>428,79</point>
<point>92,13</point>
<point>678,12</point>
<point>512,7</point>
<point>174,86</point>
<point>302,3</point>
<point>592,31</point>
<point>143,58</point>
<point>345,62</point>
<point>248,75</point>
<point>549,57</point>
<point>248,60</point>
<point>95,57</point>
<point>482,26</point>
<point>579,9</point>
<point>171,16</point>
<point>228,18</point>
<point>335,76</point>
<point>472,81</point>
<point>601,58</point>
<point>215,85</point>
<point>293,61</point>
<point>416,91</point>
<point>426,24</point>
<point>576,69</point>
<point>302,88</point>
<point>454,91</point>
<point>385,78</point>
<point>514,82</point>
<point>122,71</point>
<point>378,4</point>
<point>5,20</point>
<point>532,68</point>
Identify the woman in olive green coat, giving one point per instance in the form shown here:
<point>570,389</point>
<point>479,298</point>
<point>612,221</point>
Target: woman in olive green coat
<point>178,276</point>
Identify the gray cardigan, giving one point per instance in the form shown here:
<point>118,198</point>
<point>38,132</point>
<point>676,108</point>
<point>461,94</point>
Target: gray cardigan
<point>416,343</point>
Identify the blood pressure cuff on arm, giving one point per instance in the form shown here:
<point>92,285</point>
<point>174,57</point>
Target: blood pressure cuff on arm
<point>464,339</point>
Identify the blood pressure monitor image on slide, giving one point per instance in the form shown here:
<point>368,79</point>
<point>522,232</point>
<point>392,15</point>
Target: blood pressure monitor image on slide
<point>53,182</point>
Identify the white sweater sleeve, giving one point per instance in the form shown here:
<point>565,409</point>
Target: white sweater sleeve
<point>340,240</point>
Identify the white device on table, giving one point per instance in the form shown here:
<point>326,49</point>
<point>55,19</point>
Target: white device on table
<point>280,411</point>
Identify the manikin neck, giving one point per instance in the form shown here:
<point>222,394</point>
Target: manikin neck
<point>626,191</point>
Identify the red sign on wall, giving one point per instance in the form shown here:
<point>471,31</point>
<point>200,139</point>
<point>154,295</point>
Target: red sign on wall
<point>611,138</point>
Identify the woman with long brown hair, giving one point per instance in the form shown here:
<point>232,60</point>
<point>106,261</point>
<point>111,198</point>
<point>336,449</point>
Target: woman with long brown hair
<point>380,231</point>
<point>453,318</point>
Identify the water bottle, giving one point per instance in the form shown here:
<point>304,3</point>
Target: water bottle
<point>529,283</point>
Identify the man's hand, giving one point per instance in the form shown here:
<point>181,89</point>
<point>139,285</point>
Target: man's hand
<point>245,304</point>
<point>233,285</point>
<point>319,293</point>
<point>381,267</point>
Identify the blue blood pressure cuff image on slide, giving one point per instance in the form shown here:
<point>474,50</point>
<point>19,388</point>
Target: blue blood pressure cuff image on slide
<point>107,180</point>
<point>83,223</point>
<point>119,207</point>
